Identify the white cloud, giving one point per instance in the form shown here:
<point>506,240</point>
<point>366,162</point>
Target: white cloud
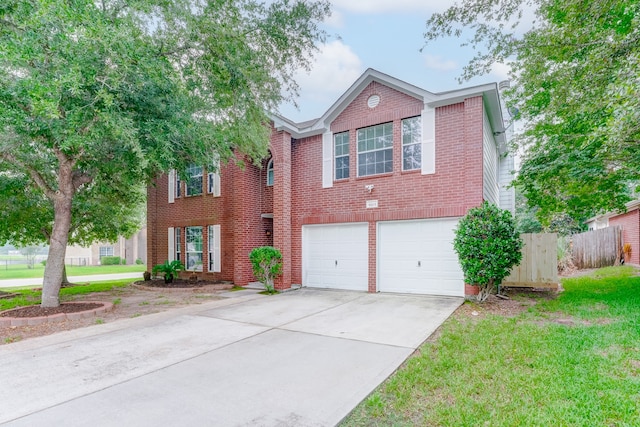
<point>334,69</point>
<point>438,63</point>
<point>382,6</point>
<point>500,71</point>
<point>336,19</point>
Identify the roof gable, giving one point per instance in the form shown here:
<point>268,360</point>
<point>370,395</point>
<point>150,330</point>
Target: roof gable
<point>489,92</point>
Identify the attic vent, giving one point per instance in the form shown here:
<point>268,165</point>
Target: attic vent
<point>373,101</point>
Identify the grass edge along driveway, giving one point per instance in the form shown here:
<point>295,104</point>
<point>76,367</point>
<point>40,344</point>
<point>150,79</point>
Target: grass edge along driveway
<point>569,361</point>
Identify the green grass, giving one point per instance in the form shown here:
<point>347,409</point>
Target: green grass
<point>31,296</point>
<point>526,370</point>
<point>20,271</point>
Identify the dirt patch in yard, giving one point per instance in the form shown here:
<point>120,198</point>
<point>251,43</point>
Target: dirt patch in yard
<point>128,302</point>
<point>518,301</point>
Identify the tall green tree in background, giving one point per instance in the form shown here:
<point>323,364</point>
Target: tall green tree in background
<point>98,97</point>
<point>576,71</point>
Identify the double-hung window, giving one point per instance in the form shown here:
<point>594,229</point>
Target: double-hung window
<point>375,149</point>
<point>194,180</point>
<point>412,143</point>
<point>106,251</point>
<point>193,240</point>
<point>341,153</point>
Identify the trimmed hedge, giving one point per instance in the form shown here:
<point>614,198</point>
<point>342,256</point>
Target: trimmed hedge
<point>110,260</point>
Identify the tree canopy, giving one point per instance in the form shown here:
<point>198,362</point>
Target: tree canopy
<point>98,97</point>
<point>576,74</point>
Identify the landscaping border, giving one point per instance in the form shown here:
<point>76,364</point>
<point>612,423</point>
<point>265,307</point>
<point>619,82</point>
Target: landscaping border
<point>59,317</point>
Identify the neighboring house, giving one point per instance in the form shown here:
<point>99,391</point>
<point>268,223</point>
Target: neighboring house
<point>629,221</point>
<point>130,249</point>
<point>365,198</point>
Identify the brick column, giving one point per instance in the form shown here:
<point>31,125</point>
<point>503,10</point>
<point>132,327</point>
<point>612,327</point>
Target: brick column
<point>247,229</point>
<point>372,256</point>
<point>473,155</point>
<point>281,150</point>
<point>152,225</point>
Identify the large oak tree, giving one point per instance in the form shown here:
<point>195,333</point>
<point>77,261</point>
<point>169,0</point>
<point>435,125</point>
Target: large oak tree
<point>576,73</point>
<point>99,96</point>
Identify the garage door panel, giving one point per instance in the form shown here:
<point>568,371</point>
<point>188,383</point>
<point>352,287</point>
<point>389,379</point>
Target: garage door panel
<point>336,256</point>
<point>418,257</point>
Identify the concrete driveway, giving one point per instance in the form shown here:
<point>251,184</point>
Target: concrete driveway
<point>303,358</point>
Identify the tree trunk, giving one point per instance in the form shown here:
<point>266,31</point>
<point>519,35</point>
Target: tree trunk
<point>65,279</point>
<point>54,269</point>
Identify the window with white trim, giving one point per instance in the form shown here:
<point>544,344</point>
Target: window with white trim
<point>375,149</point>
<point>177,239</point>
<point>194,181</point>
<point>213,246</point>
<point>106,251</point>
<point>178,187</point>
<point>270,173</point>
<point>341,154</point>
<point>412,143</point>
<point>193,239</point>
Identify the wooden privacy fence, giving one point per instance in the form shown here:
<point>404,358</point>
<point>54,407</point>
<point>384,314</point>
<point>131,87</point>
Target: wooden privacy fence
<point>539,265</point>
<point>597,248</point>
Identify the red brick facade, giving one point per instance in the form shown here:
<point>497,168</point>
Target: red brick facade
<point>630,223</point>
<point>298,198</point>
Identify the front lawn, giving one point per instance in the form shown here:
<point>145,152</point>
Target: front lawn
<point>20,271</point>
<point>30,296</point>
<point>569,361</point>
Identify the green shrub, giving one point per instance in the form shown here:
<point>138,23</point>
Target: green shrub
<point>267,265</point>
<point>139,261</point>
<point>110,260</point>
<point>169,269</point>
<point>43,262</point>
<point>488,246</point>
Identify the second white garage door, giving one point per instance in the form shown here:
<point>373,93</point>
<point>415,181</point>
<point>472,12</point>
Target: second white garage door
<point>336,256</point>
<point>418,257</point>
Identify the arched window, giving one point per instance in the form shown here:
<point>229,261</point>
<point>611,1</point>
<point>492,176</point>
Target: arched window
<point>270,173</point>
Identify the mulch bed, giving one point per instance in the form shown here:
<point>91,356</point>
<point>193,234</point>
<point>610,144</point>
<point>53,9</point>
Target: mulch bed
<point>37,311</point>
<point>182,284</point>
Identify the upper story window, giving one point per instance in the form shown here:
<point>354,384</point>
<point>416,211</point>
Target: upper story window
<point>375,149</point>
<point>341,153</point>
<point>270,173</point>
<point>412,143</point>
<point>178,187</point>
<point>194,181</point>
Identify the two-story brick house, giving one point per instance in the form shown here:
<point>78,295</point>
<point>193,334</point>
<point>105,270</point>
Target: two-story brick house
<point>365,197</point>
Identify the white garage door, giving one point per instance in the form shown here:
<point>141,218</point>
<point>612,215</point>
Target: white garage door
<point>418,257</point>
<point>336,256</point>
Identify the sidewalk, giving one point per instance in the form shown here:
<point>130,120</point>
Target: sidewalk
<point>37,282</point>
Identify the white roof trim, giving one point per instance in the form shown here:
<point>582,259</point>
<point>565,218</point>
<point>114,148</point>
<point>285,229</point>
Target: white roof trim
<point>629,205</point>
<point>489,92</point>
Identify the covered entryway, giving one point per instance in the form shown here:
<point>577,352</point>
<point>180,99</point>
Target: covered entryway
<point>417,257</point>
<point>336,256</point>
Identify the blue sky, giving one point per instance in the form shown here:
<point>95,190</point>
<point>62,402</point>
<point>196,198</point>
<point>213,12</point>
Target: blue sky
<point>386,35</point>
